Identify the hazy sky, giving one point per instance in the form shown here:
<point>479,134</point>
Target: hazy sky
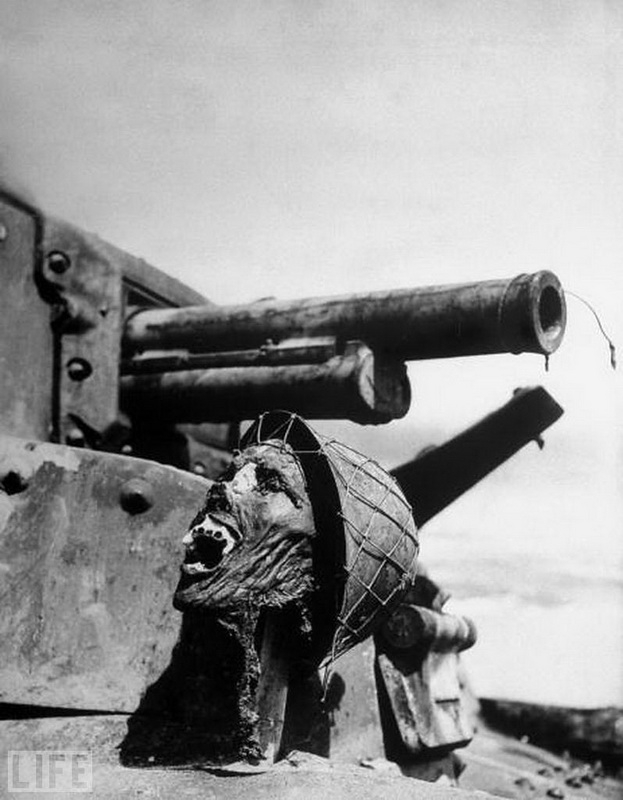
<point>290,148</point>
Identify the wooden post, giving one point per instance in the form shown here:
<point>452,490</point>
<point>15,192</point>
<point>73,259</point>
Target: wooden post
<point>272,691</point>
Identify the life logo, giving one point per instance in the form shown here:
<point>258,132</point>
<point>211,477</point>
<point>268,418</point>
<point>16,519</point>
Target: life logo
<point>60,771</point>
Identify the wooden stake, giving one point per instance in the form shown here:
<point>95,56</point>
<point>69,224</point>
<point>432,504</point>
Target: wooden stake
<point>272,692</point>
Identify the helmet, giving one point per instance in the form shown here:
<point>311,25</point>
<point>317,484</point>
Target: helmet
<point>365,546</point>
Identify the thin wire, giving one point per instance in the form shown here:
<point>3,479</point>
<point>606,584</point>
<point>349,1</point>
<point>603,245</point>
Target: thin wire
<point>613,352</point>
<point>349,468</point>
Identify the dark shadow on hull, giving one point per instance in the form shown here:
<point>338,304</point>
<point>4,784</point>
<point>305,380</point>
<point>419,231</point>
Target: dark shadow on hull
<point>201,709</point>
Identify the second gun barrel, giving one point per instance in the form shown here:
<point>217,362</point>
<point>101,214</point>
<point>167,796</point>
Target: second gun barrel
<point>522,314</point>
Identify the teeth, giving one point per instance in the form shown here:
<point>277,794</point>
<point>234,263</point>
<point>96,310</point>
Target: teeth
<point>188,539</point>
<point>230,542</point>
<point>196,568</point>
<point>212,529</point>
<point>207,543</point>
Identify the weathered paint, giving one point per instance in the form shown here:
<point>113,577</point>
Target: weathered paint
<point>427,703</point>
<point>524,314</point>
<point>87,619</point>
<point>25,333</point>
<point>64,293</point>
<point>356,729</point>
<point>87,298</point>
<point>360,385</point>
<point>25,458</point>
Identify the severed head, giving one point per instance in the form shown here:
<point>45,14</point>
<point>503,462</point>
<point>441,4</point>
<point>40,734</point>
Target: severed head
<point>250,544</point>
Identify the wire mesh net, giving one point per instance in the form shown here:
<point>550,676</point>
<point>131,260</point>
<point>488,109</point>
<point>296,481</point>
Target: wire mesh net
<point>367,543</point>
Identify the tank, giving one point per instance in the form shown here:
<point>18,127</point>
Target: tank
<point>176,596</point>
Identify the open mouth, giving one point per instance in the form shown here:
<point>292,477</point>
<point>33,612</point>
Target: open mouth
<point>206,545</point>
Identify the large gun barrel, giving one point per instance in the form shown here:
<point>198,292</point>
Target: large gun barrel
<point>523,314</point>
<point>441,474</point>
<point>357,386</point>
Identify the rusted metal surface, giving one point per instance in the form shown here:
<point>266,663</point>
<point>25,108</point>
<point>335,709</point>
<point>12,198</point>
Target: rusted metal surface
<point>82,280</point>
<point>146,286</point>
<point>64,296</point>
<point>356,731</point>
<point>360,386</point>
<point>89,283</point>
<point>414,626</point>
<point>87,573</point>
<point>26,342</point>
<point>442,474</point>
<point>526,313</point>
<point>294,351</point>
<point>425,703</point>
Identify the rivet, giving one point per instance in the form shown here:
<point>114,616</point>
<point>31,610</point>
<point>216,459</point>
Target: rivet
<point>136,496</point>
<point>58,262</point>
<point>3,232</point>
<point>79,369</point>
<point>75,438</point>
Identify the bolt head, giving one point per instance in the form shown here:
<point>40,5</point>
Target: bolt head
<point>137,496</point>
<point>75,438</point>
<point>79,369</point>
<point>58,262</point>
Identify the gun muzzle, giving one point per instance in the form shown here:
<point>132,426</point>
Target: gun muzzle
<point>524,314</point>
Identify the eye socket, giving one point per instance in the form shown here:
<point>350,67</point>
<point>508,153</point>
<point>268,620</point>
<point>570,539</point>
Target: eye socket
<point>272,481</point>
<point>269,480</point>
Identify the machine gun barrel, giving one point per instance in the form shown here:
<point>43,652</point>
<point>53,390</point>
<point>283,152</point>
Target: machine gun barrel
<point>523,314</point>
<point>358,385</point>
<point>441,474</point>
